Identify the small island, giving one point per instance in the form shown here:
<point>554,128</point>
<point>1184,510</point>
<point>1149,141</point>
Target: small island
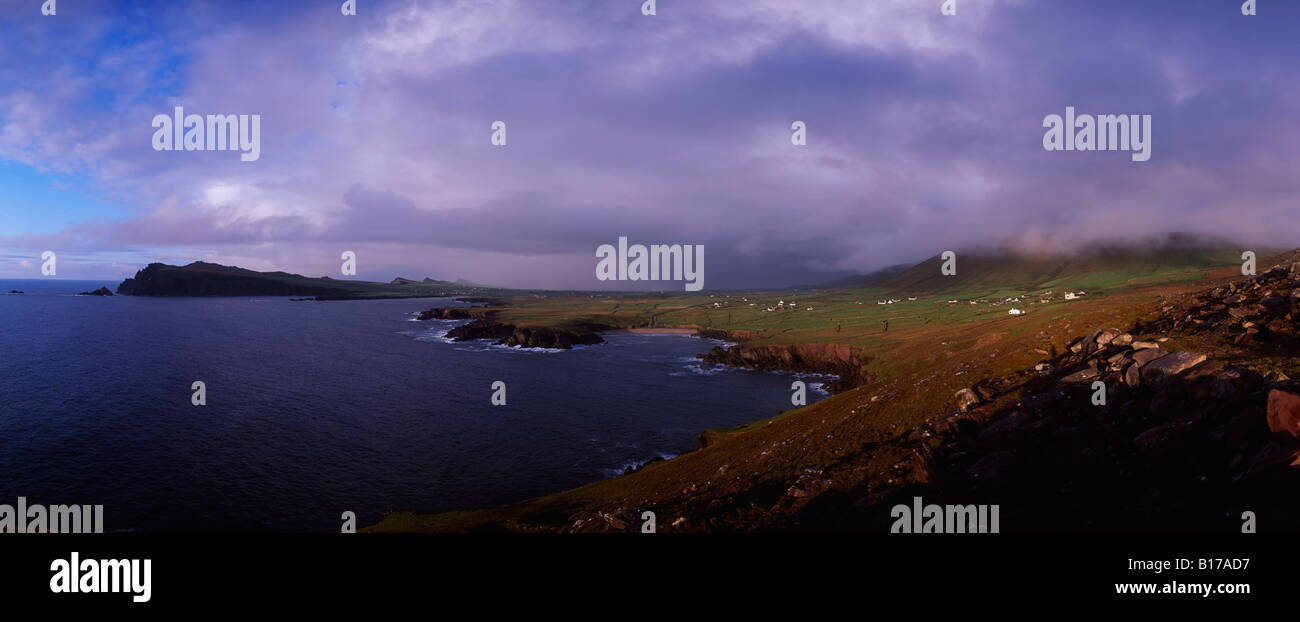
<point>103,291</point>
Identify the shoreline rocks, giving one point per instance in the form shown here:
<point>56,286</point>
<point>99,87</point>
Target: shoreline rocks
<point>524,336</point>
<point>449,313</point>
<point>844,362</point>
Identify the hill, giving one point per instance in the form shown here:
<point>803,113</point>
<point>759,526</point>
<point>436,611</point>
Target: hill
<point>966,404</point>
<point>1007,274</point>
<point>209,279</point>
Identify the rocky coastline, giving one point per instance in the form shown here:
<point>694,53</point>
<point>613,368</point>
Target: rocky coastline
<point>483,326</point>
<point>842,361</point>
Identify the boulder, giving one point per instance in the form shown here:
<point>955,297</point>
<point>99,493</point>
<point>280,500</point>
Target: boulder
<point>1105,337</point>
<point>1275,302</point>
<point>1083,374</point>
<point>1284,412</point>
<point>1133,375</point>
<point>1142,357</point>
<point>966,398</point>
<point>1170,365</point>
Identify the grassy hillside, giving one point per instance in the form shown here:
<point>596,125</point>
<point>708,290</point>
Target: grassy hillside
<point>1010,275</point>
<point>854,316</point>
<point>762,475</point>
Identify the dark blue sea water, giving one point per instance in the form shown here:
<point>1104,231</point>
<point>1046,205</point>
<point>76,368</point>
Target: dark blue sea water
<point>314,408</point>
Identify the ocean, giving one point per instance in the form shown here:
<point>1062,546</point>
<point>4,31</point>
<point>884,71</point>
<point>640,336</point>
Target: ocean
<point>317,408</point>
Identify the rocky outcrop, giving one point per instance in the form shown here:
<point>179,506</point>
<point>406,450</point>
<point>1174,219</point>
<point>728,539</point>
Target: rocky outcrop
<point>842,361</point>
<point>635,468</point>
<point>103,291</point>
<point>1284,413</point>
<point>550,337</point>
<point>621,520</point>
<point>451,313</point>
<point>480,329</point>
<point>524,336</point>
<point>1255,310</point>
<point>727,335</point>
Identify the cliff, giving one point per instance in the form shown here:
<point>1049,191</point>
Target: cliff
<point>559,337</point>
<point>816,358</point>
<point>450,313</point>
<point>208,279</point>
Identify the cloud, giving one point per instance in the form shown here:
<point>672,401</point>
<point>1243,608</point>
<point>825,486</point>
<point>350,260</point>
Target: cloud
<point>924,131</point>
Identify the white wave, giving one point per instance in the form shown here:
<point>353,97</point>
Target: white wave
<point>707,370</point>
<point>617,471</point>
<point>523,350</point>
<point>719,342</point>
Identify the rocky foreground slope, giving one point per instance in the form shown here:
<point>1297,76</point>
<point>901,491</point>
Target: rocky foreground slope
<point>1121,432</point>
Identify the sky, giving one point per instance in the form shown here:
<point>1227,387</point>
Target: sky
<point>924,133</point>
